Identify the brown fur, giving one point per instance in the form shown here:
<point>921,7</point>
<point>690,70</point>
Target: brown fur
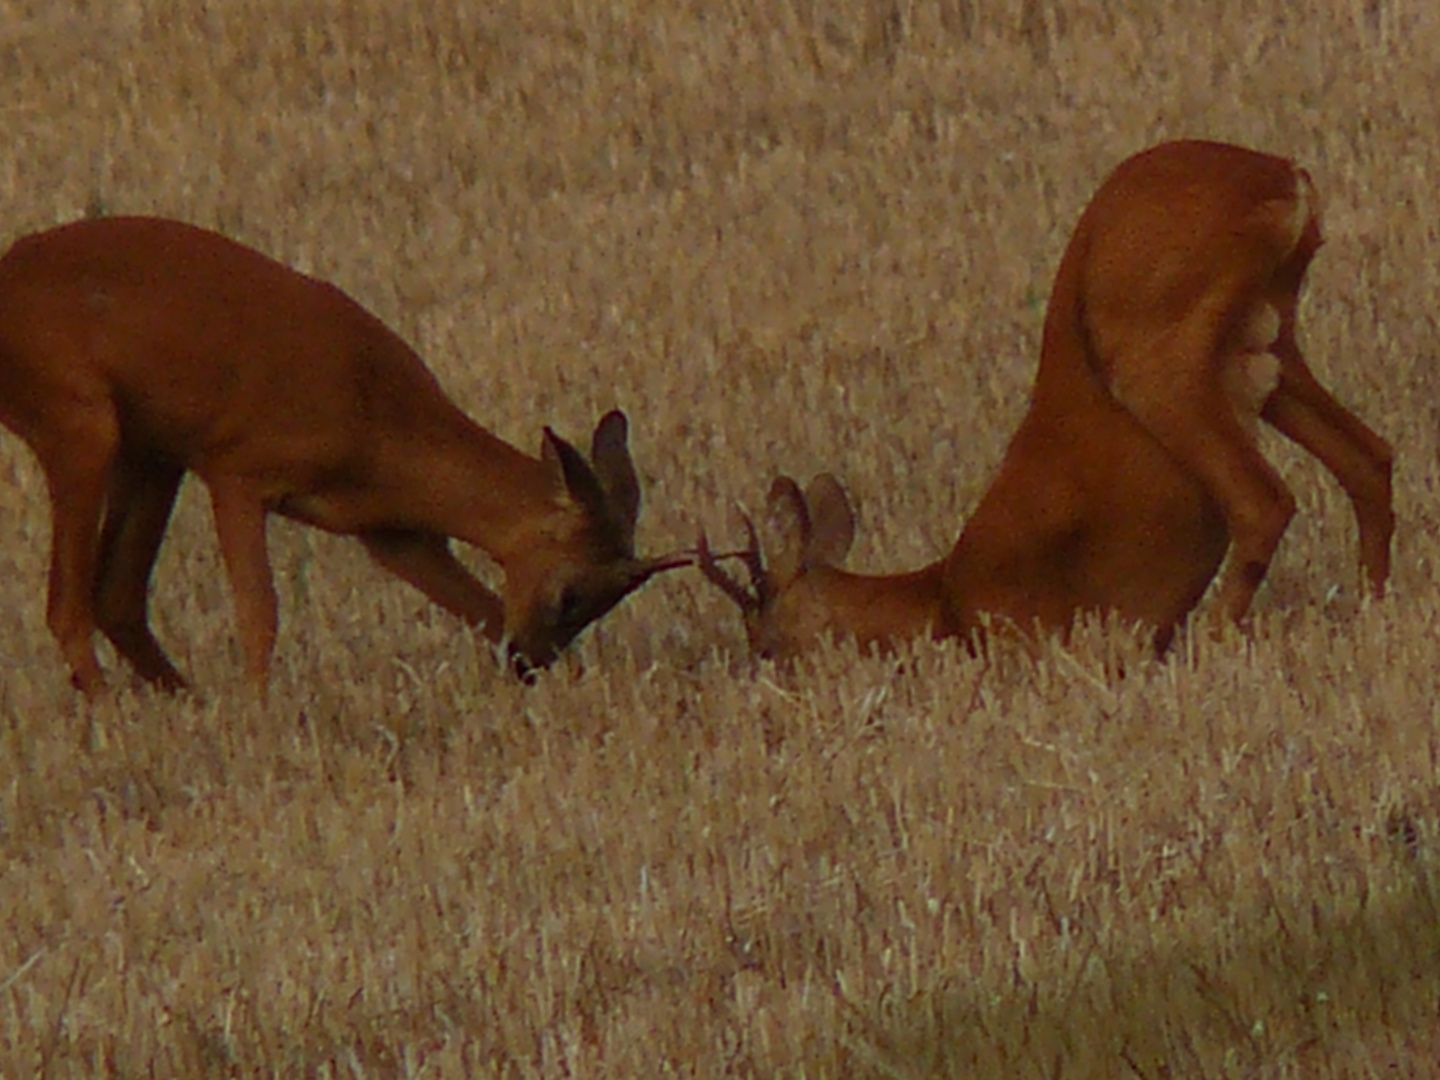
<point>1135,470</point>
<point>135,349</point>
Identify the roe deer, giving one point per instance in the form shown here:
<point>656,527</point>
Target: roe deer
<point>134,349</point>
<point>1170,330</point>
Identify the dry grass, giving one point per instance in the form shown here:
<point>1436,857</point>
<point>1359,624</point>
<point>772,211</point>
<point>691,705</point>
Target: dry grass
<point>783,236</point>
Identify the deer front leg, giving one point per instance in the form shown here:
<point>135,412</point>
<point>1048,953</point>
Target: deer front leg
<point>426,562</point>
<point>240,524</point>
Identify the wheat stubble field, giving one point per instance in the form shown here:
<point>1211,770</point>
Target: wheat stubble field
<point>782,235</point>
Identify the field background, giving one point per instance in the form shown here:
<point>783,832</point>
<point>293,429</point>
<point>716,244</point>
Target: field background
<point>783,235</point>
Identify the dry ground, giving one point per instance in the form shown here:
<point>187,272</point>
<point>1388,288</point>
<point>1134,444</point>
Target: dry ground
<point>783,235</point>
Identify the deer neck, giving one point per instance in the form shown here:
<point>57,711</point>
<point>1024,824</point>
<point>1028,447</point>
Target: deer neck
<point>459,480</point>
<point>887,607</point>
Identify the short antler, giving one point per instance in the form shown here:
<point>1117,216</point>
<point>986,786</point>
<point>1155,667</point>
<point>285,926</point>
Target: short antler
<point>709,565</point>
<point>671,560</point>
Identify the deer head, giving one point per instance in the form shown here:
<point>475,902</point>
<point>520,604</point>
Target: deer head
<point>803,593</point>
<point>583,562</point>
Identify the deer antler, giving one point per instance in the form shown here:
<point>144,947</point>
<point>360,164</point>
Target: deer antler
<point>671,560</point>
<point>709,564</point>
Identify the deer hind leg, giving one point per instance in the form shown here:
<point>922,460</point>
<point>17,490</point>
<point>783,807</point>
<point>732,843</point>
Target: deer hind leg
<point>426,562</point>
<point>1305,412</point>
<point>240,525</point>
<point>77,454</point>
<point>1188,401</point>
<point>142,493</point>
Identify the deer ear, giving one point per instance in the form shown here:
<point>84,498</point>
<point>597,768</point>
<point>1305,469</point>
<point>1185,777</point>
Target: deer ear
<point>832,521</point>
<point>610,456</point>
<point>571,474</point>
<point>789,531</point>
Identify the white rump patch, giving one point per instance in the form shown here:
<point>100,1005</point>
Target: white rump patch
<point>1261,331</point>
<point>1252,372</point>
